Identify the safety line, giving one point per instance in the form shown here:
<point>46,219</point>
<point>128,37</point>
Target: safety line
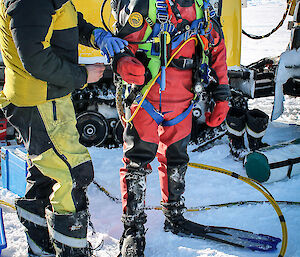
<point>289,3</point>
<point>201,207</point>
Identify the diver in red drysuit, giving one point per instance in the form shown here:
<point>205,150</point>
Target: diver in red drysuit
<point>146,137</point>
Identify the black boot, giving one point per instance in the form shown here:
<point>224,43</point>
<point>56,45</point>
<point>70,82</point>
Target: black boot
<point>174,216</point>
<point>31,213</point>
<point>177,224</point>
<point>132,242</point>
<point>68,233</point>
<point>236,126</point>
<point>257,123</point>
<point>174,208</point>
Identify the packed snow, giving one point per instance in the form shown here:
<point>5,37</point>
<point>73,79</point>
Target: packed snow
<point>202,187</point>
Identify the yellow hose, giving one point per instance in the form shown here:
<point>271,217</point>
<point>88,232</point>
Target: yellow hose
<point>258,187</point>
<point>7,204</point>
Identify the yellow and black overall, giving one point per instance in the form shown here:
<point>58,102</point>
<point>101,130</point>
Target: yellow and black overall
<point>39,42</point>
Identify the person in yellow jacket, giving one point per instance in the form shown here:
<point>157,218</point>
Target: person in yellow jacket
<point>39,43</point>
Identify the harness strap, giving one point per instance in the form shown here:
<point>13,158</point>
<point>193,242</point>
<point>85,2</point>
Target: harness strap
<point>162,14</point>
<point>183,63</point>
<point>289,173</point>
<point>175,16</point>
<point>149,21</point>
<point>287,162</point>
<point>155,114</point>
<point>165,10</point>
<point>179,118</point>
<point>195,28</point>
<point>158,117</point>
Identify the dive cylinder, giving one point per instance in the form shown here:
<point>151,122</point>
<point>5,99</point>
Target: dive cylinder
<point>274,163</point>
<point>231,20</point>
<point>91,12</point>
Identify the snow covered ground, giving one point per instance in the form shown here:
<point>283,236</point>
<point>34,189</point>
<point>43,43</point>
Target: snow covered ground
<point>202,187</point>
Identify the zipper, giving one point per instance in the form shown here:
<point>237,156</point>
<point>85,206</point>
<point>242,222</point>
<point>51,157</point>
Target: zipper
<point>54,110</point>
<point>62,157</point>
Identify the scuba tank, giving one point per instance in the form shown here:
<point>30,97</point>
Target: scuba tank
<point>231,20</point>
<point>91,12</point>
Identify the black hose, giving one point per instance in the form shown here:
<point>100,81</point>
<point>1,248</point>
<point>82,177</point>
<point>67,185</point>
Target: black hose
<point>218,28</point>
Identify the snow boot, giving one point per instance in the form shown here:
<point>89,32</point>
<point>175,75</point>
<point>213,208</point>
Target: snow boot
<point>236,127</point>
<point>68,233</point>
<point>257,123</point>
<point>31,213</point>
<point>173,212</point>
<point>174,208</point>
<point>176,182</point>
<point>132,242</point>
<point>177,224</point>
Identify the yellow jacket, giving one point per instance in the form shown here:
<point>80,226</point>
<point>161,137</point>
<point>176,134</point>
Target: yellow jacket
<point>39,43</point>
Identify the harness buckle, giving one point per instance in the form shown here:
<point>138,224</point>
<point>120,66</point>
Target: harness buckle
<point>162,18</point>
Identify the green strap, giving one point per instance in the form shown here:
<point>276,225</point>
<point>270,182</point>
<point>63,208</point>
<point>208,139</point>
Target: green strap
<point>199,12</point>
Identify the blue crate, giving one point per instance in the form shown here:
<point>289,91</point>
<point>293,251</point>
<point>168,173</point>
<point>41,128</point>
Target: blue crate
<point>3,243</point>
<point>14,168</point>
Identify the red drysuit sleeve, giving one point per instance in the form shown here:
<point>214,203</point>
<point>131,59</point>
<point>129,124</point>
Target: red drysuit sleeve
<point>218,60</point>
<point>136,37</point>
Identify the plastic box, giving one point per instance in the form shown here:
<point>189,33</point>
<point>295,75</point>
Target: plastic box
<point>3,243</point>
<point>14,168</point>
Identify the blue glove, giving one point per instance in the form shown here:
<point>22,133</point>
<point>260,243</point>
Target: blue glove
<point>108,44</point>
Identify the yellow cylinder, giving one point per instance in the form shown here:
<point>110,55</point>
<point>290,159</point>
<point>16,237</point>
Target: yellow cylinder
<point>231,19</point>
<point>91,13</point>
